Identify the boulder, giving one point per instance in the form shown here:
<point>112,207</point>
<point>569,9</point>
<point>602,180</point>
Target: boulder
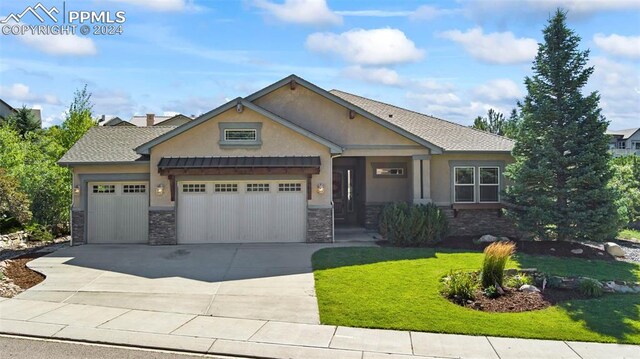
<point>487,238</point>
<point>529,288</point>
<point>577,251</point>
<point>613,249</point>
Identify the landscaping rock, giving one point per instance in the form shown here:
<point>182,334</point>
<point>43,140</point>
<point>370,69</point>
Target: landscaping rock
<point>487,238</point>
<point>529,288</point>
<point>577,251</point>
<point>613,249</point>
<point>621,287</point>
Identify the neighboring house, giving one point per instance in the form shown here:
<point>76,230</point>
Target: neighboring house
<point>149,120</point>
<point>625,142</point>
<point>285,164</point>
<point>7,110</point>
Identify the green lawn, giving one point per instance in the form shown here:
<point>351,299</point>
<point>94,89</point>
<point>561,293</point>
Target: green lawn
<point>397,288</point>
<point>629,234</point>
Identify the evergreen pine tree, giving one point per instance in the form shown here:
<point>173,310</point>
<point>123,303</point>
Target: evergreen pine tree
<point>562,162</point>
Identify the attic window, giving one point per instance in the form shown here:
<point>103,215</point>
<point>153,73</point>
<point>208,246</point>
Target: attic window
<point>240,134</point>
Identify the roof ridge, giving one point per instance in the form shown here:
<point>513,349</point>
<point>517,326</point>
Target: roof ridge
<point>422,114</point>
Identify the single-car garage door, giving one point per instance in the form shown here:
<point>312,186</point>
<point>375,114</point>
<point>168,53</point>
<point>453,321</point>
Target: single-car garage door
<point>118,212</point>
<point>242,211</point>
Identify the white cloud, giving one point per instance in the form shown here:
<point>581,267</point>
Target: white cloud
<point>626,46</point>
<point>379,75</point>
<point>498,90</point>
<point>306,12</point>
<point>619,88</point>
<point>22,94</point>
<point>375,13</point>
<point>517,10</point>
<point>428,12</point>
<point>160,5</point>
<point>496,48</point>
<point>117,102</point>
<point>60,44</point>
<point>376,47</point>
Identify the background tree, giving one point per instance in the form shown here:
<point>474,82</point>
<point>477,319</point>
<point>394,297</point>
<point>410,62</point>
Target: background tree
<point>562,171</point>
<point>496,123</point>
<point>24,121</point>
<point>626,182</point>
<point>78,120</point>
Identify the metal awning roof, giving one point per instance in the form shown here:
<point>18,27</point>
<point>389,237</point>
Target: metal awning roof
<point>238,162</point>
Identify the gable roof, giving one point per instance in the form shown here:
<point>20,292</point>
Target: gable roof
<point>168,121</point>
<point>447,135</point>
<point>332,97</point>
<point>625,134</point>
<point>144,148</point>
<point>111,144</point>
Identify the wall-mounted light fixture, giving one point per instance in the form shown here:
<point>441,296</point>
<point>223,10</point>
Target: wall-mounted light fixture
<point>320,188</point>
<point>160,189</point>
<point>239,107</point>
<point>76,189</point>
<point>352,114</point>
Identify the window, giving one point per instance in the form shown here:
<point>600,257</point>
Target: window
<point>636,145</point>
<point>104,188</point>
<point>398,170</point>
<point>489,184</point>
<point>225,187</point>
<point>257,187</point>
<point>464,184</point>
<point>621,145</point>
<point>390,171</point>
<point>193,187</point>
<point>289,187</point>
<point>241,134</point>
<point>134,188</point>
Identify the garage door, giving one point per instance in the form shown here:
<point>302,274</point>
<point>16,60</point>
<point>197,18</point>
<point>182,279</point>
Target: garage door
<point>242,211</point>
<point>118,212</point>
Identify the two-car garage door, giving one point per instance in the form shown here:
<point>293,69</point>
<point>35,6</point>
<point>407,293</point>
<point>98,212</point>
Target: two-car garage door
<point>241,211</point>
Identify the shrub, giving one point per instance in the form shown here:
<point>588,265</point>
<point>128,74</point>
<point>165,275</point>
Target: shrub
<point>459,286</point>
<point>495,258</point>
<point>590,287</point>
<point>39,234</point>
<point>518,280</point>
<point>405,224</point>
<point>491,291</point>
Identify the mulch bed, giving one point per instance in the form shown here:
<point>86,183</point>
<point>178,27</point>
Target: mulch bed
<point>22,276</point>
<point>546,248</point>
<point>514,301</point>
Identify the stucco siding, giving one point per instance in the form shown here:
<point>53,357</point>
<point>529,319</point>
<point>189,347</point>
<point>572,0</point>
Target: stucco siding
<point>381,190</point>
<point>327,118</point>
<point>441,173</point>
<point>277,140</point>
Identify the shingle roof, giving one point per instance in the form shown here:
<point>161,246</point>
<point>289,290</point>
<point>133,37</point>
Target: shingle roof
<point>447,135</point>
<point>624,133</point>
<point>111,144</point>
<point>238,162</point>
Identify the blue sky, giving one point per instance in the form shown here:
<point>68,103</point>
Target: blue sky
<point>452,59</point>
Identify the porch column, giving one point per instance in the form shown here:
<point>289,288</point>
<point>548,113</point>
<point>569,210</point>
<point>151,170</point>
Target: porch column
<point>421,179</point>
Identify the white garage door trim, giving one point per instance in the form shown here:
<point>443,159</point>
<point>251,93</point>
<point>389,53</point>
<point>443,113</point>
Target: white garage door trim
<point>118,212</point>
<point>242,211</point>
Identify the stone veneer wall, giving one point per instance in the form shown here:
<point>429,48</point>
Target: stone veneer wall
<point>477,222</point>
<point>319,225</point>
<point>77,227</point>
<point>372,216</point>
<point>162,227</point>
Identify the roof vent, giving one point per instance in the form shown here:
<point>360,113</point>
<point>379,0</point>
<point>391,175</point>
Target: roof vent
<point>390,115</point>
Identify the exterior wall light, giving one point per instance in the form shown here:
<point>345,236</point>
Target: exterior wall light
<point>320,188</point>
<point>76,189</point>
<point>160,189</point>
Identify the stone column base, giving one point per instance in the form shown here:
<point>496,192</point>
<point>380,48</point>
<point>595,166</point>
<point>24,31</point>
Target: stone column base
<point>319,225</point>
<point>77,228</point>
<point>162,227</point>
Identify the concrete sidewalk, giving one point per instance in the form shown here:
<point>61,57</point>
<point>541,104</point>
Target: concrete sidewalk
<point>271,339</point>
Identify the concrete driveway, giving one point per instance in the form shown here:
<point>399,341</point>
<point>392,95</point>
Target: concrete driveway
<point>253,281</point>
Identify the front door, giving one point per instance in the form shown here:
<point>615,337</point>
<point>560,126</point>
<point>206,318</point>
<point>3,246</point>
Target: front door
<point>344,195</point>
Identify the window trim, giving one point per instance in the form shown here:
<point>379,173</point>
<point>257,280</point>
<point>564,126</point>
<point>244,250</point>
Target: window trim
<point>500,164</point>
<point>251,130</point>
<point>480,184</point>
<point>225,126</point>
<point>472,185</point>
